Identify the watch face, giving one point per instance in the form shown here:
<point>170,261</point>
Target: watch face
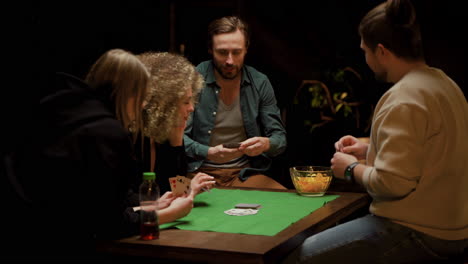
<point>347,175</point>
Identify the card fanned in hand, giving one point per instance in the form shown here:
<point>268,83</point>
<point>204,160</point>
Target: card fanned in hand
<point>180,185</point>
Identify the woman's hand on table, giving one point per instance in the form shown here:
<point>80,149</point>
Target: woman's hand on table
<point>180,207</point>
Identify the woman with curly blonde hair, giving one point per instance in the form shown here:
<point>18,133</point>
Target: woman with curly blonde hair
<point>173,87</point>
<point>174,79</point>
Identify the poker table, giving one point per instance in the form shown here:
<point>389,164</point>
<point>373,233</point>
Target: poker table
<point>208,235</point>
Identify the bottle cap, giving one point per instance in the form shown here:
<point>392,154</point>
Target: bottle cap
<point>149,176</point>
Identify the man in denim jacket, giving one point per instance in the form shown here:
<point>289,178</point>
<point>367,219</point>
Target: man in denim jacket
<point>236,127</point>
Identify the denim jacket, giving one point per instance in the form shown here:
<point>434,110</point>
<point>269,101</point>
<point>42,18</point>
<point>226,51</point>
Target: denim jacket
<point>260,113</point>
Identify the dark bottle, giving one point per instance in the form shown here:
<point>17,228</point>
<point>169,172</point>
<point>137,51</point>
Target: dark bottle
<point>149,194</point>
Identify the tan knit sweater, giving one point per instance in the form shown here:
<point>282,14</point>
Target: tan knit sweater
<point>419,155</point>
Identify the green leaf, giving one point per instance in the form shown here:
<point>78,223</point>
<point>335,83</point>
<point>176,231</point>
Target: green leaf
<point>347,110</point>
<point>338,107</point>
<point>335,96</point>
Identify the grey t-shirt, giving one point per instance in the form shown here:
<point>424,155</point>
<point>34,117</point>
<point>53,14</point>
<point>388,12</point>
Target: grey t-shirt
<point>229,127</point>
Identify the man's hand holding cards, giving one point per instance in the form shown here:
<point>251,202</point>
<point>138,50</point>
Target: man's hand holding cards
<point>232,145</point>
<point>180,185</point>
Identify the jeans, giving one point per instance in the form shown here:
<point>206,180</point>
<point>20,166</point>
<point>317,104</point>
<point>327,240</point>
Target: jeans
<point>373,239</point>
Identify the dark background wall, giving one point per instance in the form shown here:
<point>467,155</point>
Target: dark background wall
<point>291,41</point>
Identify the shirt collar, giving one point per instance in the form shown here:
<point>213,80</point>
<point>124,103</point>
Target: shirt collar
<point>210,77</point>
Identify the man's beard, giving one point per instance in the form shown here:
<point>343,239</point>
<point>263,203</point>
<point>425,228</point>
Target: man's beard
<point>227,76</point>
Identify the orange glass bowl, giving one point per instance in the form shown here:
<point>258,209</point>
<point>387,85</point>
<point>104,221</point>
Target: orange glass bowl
<point>311,180</point>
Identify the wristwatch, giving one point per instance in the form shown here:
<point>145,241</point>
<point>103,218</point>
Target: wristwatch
<point>349,172</point>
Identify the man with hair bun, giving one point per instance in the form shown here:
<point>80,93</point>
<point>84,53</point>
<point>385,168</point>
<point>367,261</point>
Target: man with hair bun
<point>416,168</point>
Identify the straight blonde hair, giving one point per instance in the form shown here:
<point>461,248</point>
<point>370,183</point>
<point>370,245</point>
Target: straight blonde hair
<point>119,76</point>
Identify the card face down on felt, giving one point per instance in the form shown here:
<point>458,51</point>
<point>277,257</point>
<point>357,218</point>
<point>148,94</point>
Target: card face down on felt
<point>248,206</point>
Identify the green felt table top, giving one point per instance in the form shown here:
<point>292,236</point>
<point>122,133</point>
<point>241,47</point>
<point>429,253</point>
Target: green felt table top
<point>279,210</point>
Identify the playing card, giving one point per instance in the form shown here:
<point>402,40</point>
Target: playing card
<point>186,189</point>
<point>240,212</point>
<point>247,206</point>
<point>173,183</point>
<point>180,185</point>
<point>232,145</point>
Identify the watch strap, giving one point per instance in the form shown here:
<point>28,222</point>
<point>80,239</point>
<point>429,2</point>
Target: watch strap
<point>349,171</point>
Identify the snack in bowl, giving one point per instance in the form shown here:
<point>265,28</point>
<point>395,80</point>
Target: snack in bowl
<point>311,180</point>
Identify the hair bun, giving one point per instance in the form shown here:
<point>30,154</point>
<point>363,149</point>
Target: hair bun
<point>400,13</point>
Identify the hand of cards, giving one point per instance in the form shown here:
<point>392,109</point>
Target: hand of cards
<point>232,145</point>
<point>180,185</point>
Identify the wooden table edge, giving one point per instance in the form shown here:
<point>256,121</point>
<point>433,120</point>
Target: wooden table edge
<point>272,248</point>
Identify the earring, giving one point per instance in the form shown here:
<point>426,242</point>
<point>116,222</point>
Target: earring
<point>131,126</point>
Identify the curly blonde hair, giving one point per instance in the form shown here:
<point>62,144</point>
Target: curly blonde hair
<point>171,75</point>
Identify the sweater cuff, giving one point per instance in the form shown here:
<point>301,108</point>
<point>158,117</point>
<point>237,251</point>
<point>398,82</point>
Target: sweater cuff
<point>366,176</point>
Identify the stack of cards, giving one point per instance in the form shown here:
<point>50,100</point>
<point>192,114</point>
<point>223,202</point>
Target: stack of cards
<point>240,212</point>
<point>180,185</point>
<point>248,206</point>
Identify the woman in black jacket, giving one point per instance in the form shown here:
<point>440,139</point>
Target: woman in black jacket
<point>75,169</point>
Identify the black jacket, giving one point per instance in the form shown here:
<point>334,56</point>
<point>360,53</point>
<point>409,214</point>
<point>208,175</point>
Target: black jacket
<point>77,173</point>
<point>72,172</point>
<point>170,162</point>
